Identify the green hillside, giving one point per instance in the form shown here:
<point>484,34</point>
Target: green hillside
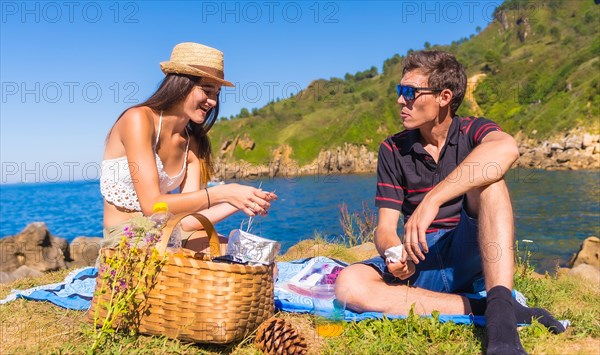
<point>541,66</point>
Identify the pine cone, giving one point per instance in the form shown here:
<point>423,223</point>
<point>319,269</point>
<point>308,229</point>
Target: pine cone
<point>278,336</point>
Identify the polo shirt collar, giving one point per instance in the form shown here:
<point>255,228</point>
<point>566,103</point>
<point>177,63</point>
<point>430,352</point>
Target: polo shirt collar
<point>453,131</point>
<point>412,140</point>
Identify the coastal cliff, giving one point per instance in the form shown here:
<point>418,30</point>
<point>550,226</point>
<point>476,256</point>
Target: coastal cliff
<point>529,71</point>
<point>572,151</point>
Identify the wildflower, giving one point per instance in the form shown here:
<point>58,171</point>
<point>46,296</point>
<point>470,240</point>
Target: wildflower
<point>121,286</point>
<point>129,232</point>
<point>150,238</point>
<point>130,270</point>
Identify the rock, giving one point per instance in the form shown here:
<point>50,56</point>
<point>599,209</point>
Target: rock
<point>589,253</point>
<point>246,143</point>
<point>22,272</point>
<point>573,150</point>
<point>589,150</point>
<point>502,18</point>
<point>523,29</point>
<point>309,248</point>
<point>34,247</point>
<point>561,271</point>
<point>230,148</point>
<point>569,87</point>
<point>587,272</point>
<point>564,157</point>
<point>347,159</point>
<point>588,140</point>
<point>84,251</point>
<point>574,142</point>
<point>365,251</point>
<point>5,277</point>
<point>226,147</point>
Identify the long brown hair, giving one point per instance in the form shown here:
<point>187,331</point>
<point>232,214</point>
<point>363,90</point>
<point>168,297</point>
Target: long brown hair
<point>173,89</point>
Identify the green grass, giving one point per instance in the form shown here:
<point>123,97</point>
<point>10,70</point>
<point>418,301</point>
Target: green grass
<point>37,327</point>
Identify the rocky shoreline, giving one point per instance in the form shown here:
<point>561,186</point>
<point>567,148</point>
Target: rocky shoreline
<point>35,251</point>
<point>573,151</point>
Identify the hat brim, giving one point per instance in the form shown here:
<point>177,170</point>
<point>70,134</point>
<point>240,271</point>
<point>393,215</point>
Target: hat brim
<point>176,68</point>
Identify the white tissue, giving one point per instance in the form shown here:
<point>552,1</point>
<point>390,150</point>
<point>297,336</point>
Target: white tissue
<point>394,254</point>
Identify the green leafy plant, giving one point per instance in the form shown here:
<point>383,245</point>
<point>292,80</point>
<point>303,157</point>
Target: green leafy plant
<point>524,277</point>
<point>523,261</point>
<point>126,275</point>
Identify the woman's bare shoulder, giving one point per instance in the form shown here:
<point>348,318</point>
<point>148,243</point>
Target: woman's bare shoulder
<point>138,118</point>
<point>135,126</point>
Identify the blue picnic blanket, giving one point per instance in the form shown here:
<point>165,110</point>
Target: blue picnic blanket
<point>291,296</point>
<point>75,292</point>
<point>291,290</point>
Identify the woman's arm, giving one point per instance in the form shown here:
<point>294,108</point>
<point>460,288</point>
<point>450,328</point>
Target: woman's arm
<point>191,183</point>
<point>136,131</point>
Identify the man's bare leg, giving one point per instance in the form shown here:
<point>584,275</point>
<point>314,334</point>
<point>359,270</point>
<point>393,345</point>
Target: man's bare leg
<point>492,207</point>
<point>496,237</point>
<point>364,290</point>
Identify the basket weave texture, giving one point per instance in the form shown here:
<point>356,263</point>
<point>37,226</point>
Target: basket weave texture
<point>201,301</point>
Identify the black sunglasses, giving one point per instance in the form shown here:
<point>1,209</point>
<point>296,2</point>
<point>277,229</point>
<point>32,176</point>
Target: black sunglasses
<point>409,92</point>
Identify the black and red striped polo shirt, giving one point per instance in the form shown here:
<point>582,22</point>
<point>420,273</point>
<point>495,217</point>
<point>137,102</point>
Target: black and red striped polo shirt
<point>406,172</point>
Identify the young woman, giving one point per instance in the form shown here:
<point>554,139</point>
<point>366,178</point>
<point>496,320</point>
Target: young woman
<point>162,144</point>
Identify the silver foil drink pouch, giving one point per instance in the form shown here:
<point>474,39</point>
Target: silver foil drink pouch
<point>251,248</point>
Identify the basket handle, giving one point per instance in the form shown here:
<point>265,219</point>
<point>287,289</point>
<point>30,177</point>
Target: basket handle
<point>213,237</point>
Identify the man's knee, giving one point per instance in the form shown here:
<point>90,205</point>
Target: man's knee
<point>352,285</point>
<point>495,193</point>
<point>346,279</point>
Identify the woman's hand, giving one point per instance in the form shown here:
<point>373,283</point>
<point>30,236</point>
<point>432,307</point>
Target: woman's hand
<point>248,199</point>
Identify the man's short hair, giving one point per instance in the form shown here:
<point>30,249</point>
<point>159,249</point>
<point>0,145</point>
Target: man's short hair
<point>443,70</point>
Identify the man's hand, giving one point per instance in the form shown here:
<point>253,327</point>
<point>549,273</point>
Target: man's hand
<point>415,230</point>
<point>401,269</point>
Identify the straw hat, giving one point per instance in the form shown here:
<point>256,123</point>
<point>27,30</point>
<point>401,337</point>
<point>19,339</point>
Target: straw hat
<point>197,60</point>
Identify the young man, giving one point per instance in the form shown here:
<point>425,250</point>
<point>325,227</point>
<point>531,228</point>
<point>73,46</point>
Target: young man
<point>445,174</point>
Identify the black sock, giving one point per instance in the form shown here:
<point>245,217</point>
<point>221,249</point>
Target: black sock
<point>501,323</point>
<point>524,315</point>
<point>478,306</point>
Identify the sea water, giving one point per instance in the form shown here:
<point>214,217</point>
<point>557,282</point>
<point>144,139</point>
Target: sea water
<point>554,209</point>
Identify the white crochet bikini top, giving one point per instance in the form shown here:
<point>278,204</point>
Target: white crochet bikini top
<point>116,184</point>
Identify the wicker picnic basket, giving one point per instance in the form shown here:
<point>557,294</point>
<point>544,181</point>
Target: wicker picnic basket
<point>200,300</point>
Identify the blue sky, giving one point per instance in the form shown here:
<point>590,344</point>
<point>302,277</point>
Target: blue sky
<point>69,68</point>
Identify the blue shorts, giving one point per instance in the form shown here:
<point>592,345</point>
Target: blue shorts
<point>453,264</point>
